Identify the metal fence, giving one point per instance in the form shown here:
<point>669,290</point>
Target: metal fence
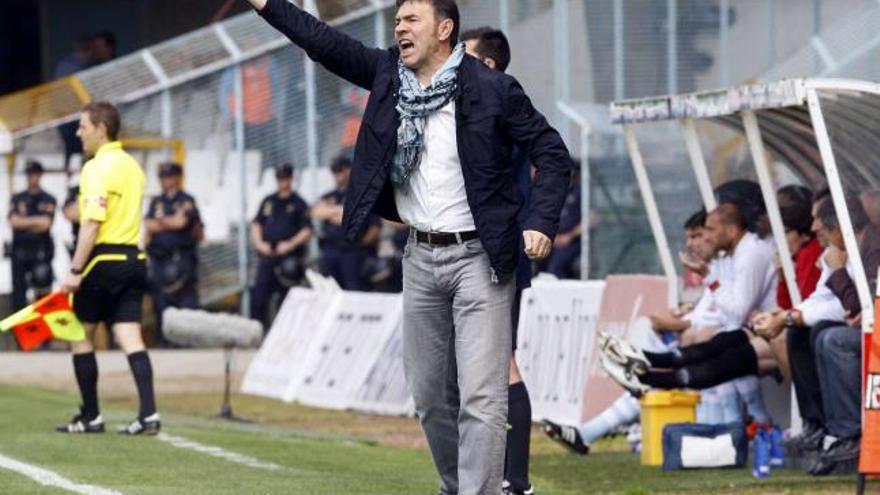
<point>242,98</point>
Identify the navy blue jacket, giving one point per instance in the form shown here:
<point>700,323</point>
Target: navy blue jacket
<point>492,113</point>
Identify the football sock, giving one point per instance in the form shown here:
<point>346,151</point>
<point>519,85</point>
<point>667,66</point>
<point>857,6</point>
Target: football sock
<point>623,411</point>
<point>143,378</point>
<point>696,353</point>
<point>85,367</point>
<point>519,418</point>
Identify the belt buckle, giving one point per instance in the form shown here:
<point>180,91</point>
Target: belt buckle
<point>430,240</point>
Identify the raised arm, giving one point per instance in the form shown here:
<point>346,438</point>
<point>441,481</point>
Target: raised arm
<point>342,55</point>
<point>545,149</point>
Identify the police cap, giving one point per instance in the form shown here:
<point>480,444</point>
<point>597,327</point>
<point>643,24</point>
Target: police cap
<point>284,171</point>
<point>33,167</point>
<point>170,169</point>
<point>339,163</point>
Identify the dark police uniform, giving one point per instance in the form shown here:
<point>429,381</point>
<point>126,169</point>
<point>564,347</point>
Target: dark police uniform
<point>281,219</point>
<point>173,267</point>
<point>341,259</point>
<point>32,253</point>
<point>562,259</point>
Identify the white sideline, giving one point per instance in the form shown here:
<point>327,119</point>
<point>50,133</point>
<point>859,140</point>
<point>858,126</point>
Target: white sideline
<point>49,478</point>
<point>220,453</point>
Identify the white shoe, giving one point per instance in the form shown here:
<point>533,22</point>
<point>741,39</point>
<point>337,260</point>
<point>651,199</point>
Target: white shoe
<point>623,376</point>
<point>623,353</point>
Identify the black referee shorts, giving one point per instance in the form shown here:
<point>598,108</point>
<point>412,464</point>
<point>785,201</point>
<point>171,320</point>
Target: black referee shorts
<point>113,286</point>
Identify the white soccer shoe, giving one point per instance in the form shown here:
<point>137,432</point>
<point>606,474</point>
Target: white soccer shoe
<point>622,376</point>
<point>623,353</point>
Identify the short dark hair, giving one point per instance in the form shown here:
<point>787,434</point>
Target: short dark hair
<point>696,221</point>
<point>493,44</point>
<point>340,162</point>
<point>794,194</point>
<point>443,9</point>
<point>828,215</point>
<point>822,195</point>
<point>729,214</point>
<point>103,112</point>
<point>797,217</point>
<point>475,33</point>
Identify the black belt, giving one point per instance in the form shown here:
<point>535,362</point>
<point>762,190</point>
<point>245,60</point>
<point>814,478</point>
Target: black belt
<point>444,238</point>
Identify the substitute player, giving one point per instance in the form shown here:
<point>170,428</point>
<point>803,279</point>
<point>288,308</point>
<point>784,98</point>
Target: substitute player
<point>108,273</point>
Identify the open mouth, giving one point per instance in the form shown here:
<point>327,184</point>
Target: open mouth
<point>406,46</point>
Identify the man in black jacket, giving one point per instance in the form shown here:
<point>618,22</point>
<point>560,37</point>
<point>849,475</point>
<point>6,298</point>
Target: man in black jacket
<point>434,151</point>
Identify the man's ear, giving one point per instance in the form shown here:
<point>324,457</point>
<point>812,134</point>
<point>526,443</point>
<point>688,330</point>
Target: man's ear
<point>444,29</point>
<point>490,62</point>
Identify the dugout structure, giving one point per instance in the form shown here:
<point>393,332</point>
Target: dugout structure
<point>816,132</point>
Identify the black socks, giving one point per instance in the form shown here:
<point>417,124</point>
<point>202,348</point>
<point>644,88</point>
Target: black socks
<point>85,367</point>
<point>736,362</point>
<point>519,419</point>
<point>720,343</point>
<point>143,378</point>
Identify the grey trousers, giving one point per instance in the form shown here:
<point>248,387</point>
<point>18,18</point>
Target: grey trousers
<point>456,349</point>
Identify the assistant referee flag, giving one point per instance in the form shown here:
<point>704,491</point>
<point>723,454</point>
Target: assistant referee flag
<point>48,318</point>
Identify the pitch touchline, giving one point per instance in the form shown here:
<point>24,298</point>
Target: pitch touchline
<point>50,478</point>
<point>184,443</point>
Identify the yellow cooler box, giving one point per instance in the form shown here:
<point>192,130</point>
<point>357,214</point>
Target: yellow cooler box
<point>659,409</point>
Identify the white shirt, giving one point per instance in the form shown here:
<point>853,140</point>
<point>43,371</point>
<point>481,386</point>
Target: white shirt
<point>822,305</point>
<point>706,312</point>
<point>748,282</point>
<point>434,199</point>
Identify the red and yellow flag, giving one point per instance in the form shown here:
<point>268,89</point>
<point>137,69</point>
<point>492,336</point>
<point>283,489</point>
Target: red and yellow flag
<point>49,318</point>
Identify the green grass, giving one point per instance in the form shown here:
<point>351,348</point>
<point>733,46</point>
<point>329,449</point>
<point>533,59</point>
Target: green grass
<point>321,452</point>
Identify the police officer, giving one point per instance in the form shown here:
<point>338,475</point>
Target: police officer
<point>341,259</point>
<point>174,229</point>
<point>280,233</point>
<point>31,213</point>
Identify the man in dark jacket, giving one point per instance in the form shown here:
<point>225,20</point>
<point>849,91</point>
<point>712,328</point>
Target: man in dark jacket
<point>434,151</point>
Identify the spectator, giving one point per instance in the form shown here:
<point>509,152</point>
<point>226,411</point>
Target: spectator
<point>339,258</point>
<point>80,58</point>
<point>103,47</point>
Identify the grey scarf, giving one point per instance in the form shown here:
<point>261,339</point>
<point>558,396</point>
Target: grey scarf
<point>414,105</point>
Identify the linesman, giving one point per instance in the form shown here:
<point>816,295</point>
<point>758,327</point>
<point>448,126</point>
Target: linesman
<point>108,273</point>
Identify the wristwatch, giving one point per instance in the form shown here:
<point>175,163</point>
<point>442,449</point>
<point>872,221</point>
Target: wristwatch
<point>789,318</point>
<point>75,271</point>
